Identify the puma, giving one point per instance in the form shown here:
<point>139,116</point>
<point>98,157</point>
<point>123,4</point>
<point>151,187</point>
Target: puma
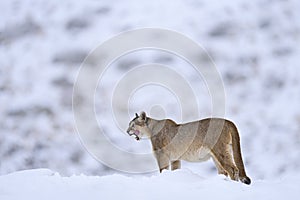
<point>196,141</point>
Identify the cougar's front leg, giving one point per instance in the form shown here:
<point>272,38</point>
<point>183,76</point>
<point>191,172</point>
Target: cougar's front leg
<point>162,160</point>
<point>175,165</point>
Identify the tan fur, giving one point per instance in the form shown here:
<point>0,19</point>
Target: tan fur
<point>195,142</point>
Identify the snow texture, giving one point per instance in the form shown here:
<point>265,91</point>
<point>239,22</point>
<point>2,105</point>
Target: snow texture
<point>181,184</point>
<point>255,45</point>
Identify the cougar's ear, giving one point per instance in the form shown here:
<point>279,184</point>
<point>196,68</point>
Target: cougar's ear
<point>142,116</point>
<point>136,115</point>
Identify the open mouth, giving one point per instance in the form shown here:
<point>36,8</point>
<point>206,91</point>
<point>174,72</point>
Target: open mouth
<point>135,134</point>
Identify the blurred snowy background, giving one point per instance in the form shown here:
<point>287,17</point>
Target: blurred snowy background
<point>255,45</point>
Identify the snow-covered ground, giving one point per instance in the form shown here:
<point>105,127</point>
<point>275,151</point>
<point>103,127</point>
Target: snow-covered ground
<point>181,184</point>
<point>254,44</point>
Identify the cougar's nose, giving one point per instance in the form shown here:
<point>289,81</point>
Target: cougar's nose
<point>128,130</point>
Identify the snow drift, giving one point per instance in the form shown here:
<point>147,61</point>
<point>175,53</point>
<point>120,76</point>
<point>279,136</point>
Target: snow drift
<point>180,184</point>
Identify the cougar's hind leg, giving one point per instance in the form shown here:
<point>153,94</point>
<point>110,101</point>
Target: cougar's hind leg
<point>220,169</point>
<point>225,161</point>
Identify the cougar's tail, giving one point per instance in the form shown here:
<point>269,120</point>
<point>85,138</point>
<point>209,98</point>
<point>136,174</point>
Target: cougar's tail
<point>237,155</point>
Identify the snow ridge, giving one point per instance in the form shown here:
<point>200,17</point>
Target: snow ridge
<point>179,184</point>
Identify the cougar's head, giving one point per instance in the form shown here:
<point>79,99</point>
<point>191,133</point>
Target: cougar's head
<point>138,126</point>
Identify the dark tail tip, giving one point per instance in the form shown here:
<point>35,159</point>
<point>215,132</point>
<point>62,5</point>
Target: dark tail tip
<point>246,180</point>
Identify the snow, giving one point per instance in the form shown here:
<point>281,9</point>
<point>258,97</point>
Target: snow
<point>180,184</point>
<point>254,44</point>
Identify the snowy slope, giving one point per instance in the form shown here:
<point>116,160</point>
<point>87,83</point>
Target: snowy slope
<point>182,184</point>
<point>255,45</point>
